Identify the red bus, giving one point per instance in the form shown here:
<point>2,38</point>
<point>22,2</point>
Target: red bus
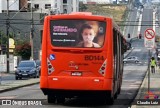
<point>82,55</point>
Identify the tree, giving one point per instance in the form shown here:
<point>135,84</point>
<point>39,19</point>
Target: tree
<point>82,7</point>
<point>23,50</point>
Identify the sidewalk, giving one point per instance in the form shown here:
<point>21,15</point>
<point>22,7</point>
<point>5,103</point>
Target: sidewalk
<point>14,84</point>
<point>154,91</point>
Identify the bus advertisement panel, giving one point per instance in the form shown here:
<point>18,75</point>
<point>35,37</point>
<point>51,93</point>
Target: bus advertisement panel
<point>77,33</point>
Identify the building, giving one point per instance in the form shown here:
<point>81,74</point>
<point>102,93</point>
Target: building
<point>97,1</point>
<point>54,6</point>
<point>23,5</point>
<point>41,6</point>
<point>13,5</point>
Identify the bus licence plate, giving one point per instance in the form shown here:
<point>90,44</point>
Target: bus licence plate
<point>76,73</point>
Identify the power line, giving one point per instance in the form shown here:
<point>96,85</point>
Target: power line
<point>13,3</point>
<point>15,28</point>
<point>19,11</point>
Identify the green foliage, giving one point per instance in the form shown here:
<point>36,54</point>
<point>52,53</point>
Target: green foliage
<point>23,50</point>
<point>82,7</point>
<point>3,38</point>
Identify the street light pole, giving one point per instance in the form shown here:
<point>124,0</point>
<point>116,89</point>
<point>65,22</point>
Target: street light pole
<point>31,35</point>
<point>7,27</point>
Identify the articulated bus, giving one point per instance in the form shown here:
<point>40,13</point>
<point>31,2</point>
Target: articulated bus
<point>82,56</point>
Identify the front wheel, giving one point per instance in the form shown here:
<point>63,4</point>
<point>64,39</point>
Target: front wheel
<point>16,78</point>
<point>37,75</point>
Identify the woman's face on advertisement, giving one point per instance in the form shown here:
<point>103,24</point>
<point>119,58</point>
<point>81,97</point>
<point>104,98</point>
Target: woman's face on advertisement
<point>88,35</point>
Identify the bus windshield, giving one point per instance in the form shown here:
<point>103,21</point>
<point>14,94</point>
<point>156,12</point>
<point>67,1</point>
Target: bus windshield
<point>77,33</point>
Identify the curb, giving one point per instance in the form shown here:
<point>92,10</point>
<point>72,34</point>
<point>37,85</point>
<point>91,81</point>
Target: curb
<point>142,85</point>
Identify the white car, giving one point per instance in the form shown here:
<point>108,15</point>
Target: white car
<point>131,59</point>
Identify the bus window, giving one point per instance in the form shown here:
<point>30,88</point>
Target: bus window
<point>77,33</point>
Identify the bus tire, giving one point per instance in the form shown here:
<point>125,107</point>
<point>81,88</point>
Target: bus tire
<point>60,100</point>
<point>51,99</point>
<point>119,90</point>
<point>116,95</point>
<point>110,101</point>
<point>120,84</point>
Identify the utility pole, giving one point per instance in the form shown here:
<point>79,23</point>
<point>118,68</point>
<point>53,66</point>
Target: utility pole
<point>31,35</point>
<point>1,43</point>
<point>7,27</point>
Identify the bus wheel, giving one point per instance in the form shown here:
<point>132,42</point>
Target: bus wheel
<point>119,88</point>
<point>110,101</point>
<point>60,100</point>
<point>51,99</point>
<point>120,84</point>
<point>116,95</point>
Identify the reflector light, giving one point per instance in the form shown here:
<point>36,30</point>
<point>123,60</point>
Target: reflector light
<point>50,67</point>
<point>102,70</point>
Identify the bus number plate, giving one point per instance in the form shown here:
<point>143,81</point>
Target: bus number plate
<point>76,73</point>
